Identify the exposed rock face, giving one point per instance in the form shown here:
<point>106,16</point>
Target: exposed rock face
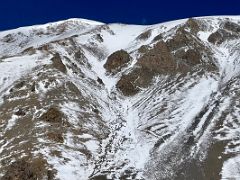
<point>182,39</point>
<point>127,84</point>
<point>231,26</point>
<point>86,100</point>
<point>25,170</point>
<point>158,38</point>
<point>58,64</point>
<point>158,60</point>
<point>100,81</point>
<point>117,61</point>
<point>189,51</point>
<point>193,25</point>
<point>180,54</point>
<point>228,30</point>
<point>20,112</point>
<point>216,37</point>
<point>57,137</point>
<point>143,49</point>
<point>145,35</point>
<point>52,115</point>
<point>191,57</point>
<point>220,36</point>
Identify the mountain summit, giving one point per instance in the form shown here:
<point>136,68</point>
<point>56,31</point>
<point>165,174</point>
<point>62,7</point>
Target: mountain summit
<point>84,100</point>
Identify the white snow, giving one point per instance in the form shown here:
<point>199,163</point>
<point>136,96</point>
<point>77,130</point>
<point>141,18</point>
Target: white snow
<point>137,151</point>
<point>11,122</point>
<point>196,98</point>
<point>76,21</point>
<point>71,166</point>
<point>123,36</point>
<point>12,69</point>
<point>231,168</point>
<point>204,35</point>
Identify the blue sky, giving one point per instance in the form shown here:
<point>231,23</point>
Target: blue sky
<point>17,13</point>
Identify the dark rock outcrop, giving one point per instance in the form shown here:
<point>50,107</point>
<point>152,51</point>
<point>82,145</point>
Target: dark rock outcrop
<point>20,112</point>
<point>179,54</point>
<point>158,37</point>
<point>216,37</point>
<point>158,60</point>
<point>227,31</point>
<point>231,26</point>
<point>58,64</point>
<point>100,81</point>
<point>117,61</point>
<point>193,25</point>
<point>57,137</point>
<point>191,57</point>
<point>53,115</point>
<point>145,35</point>
<point>143,49</point>
<point>220,36</point>
<point>25,170</point>
<point>127,85</point>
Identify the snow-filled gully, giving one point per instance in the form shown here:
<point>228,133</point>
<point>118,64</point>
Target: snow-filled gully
<point>125,151</point>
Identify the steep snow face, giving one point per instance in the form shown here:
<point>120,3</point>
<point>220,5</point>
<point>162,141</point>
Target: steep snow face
<point>60,105</point>
<point>122,37</point>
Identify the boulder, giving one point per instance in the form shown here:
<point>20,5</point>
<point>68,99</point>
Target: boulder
<point>53,115</point>
<point>117,61</point>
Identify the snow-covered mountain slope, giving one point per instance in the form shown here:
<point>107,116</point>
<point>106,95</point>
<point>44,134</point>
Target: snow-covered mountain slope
<point>81,99</point>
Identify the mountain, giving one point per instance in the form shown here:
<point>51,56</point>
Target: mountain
<point>82,100</point>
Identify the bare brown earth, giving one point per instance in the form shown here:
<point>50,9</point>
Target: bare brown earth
<point>53,115</point>
<point>24,169</point>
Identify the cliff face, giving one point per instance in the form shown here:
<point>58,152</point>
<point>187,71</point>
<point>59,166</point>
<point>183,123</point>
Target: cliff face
<point>85,100</point>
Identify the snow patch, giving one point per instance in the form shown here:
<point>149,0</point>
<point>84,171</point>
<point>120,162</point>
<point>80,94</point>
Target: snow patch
<point>231,168</point>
